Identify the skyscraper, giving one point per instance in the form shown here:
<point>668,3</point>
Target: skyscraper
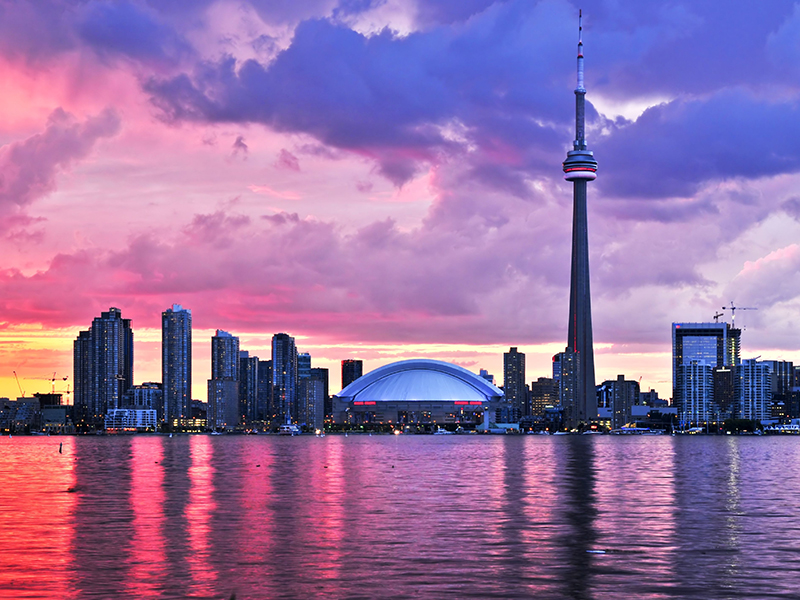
<point>757,383</point>
<point>284,377</point>
<point>264,398</point>
<point>698,349</point>
<point>580,167</point>
<point>514,387</point>
<point>352,369</point>
<point>301,410</point>
<point>224,356</point>
<point>320,397</point>
<point>103,366</point>
<point>223,387</point>
<point>176,362</point>
<point>248,386</point>
<point>565,375</point>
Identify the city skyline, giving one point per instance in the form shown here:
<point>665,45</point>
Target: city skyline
<point>394,195</point>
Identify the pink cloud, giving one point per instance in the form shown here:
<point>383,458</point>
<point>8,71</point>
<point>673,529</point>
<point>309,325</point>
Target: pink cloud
<point>287,161</point>
<point>28,168</point>
<point>265,189</point>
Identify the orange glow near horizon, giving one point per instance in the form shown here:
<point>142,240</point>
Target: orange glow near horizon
<point>35,353</point>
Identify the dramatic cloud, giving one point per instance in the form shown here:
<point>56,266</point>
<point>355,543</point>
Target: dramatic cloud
<point>28,168</point>
<point>402,184</point>
<point>125,28</point>
<point>673,148</point>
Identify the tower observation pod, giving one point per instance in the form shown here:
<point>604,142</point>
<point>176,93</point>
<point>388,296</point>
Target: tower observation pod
<point>580,163</point>
<point>580,167</point>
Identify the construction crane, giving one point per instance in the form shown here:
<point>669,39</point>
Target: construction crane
<point>67,392</point>
<point>21,391</point>
<point>717,316</point>
<point>733,308</point>
<point>52,381</point>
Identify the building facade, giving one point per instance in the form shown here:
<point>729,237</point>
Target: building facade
<point>697,350</point>
<point>284,378</point>
<point>320,397</point>
<point>352,369</point>
<point>102,367</point>
<point>757,384</point>
<point>514,387</point>
<point>248,387</point>
<point>223,387</point>
<point>264,408</point>
<point>619,396</point>
<point>176,363</point>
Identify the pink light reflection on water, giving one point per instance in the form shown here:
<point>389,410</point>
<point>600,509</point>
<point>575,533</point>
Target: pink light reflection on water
<point>37,504</point>
<point>198,515</point>
<point>147,549</point>
<point>255,539</point>
<point>327,484</point>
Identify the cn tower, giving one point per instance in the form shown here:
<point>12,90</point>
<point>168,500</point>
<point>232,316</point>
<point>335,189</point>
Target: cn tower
<point>580,167</point>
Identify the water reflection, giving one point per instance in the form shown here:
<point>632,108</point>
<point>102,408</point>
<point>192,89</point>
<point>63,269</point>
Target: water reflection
<point>578,540</point>
<point>36,509</point>
<point>399,517</point>
<point>706,510</point>
<point>147,556</point>
<point>198,516</point>
<point>103,533</point>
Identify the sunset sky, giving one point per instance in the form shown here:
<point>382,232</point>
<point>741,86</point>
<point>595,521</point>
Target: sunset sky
<point>382,178</point>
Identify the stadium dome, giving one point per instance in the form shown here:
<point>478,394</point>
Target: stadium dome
<point>420,380</point>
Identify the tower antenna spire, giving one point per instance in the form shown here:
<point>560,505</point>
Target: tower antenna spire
<point>580,167</point>
<point>580,51</point>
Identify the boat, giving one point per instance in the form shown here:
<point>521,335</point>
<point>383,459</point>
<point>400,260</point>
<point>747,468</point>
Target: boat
<point>289,429</point>
<point>442,431</point>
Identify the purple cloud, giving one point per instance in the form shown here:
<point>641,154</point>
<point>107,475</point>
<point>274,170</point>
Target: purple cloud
<point>28,168</point>
<point>287,160</point>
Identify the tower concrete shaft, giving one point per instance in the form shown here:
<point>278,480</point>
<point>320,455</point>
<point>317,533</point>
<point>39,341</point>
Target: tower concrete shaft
<point>580,167</point>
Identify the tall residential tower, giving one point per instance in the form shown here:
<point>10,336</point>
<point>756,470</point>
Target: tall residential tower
<point>580,167</point>
<point>176,362</point>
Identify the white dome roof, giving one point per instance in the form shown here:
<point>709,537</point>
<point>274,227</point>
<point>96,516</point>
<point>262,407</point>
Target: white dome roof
<point>420,380</point>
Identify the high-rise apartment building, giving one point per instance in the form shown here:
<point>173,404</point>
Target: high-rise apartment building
<point>782,373</point>
<point>264,404</point>
<point>619,395</point>
<point>352,369</point>
<point>284,377</point>
<point>176,363</point>
<point>514,388</point>
<point>565,374</point>
<point>302,409</point>
<point>756,398</point>
<point>544,393</point>
<point>697,350</point>
<point>223,387</point>
<point>224,356</point>
<point>580,167</point>
<point>320,397</point>
<point>103,366</point>
<point>248,387</point>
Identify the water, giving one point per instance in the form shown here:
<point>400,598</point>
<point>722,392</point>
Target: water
<point>399,517</point>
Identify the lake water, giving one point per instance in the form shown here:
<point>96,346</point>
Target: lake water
<point>399,517</point>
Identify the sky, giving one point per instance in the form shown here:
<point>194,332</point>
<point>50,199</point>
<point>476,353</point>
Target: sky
<point>382,178</point>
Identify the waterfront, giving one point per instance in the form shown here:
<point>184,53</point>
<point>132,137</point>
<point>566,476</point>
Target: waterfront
<point>399,517</point>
